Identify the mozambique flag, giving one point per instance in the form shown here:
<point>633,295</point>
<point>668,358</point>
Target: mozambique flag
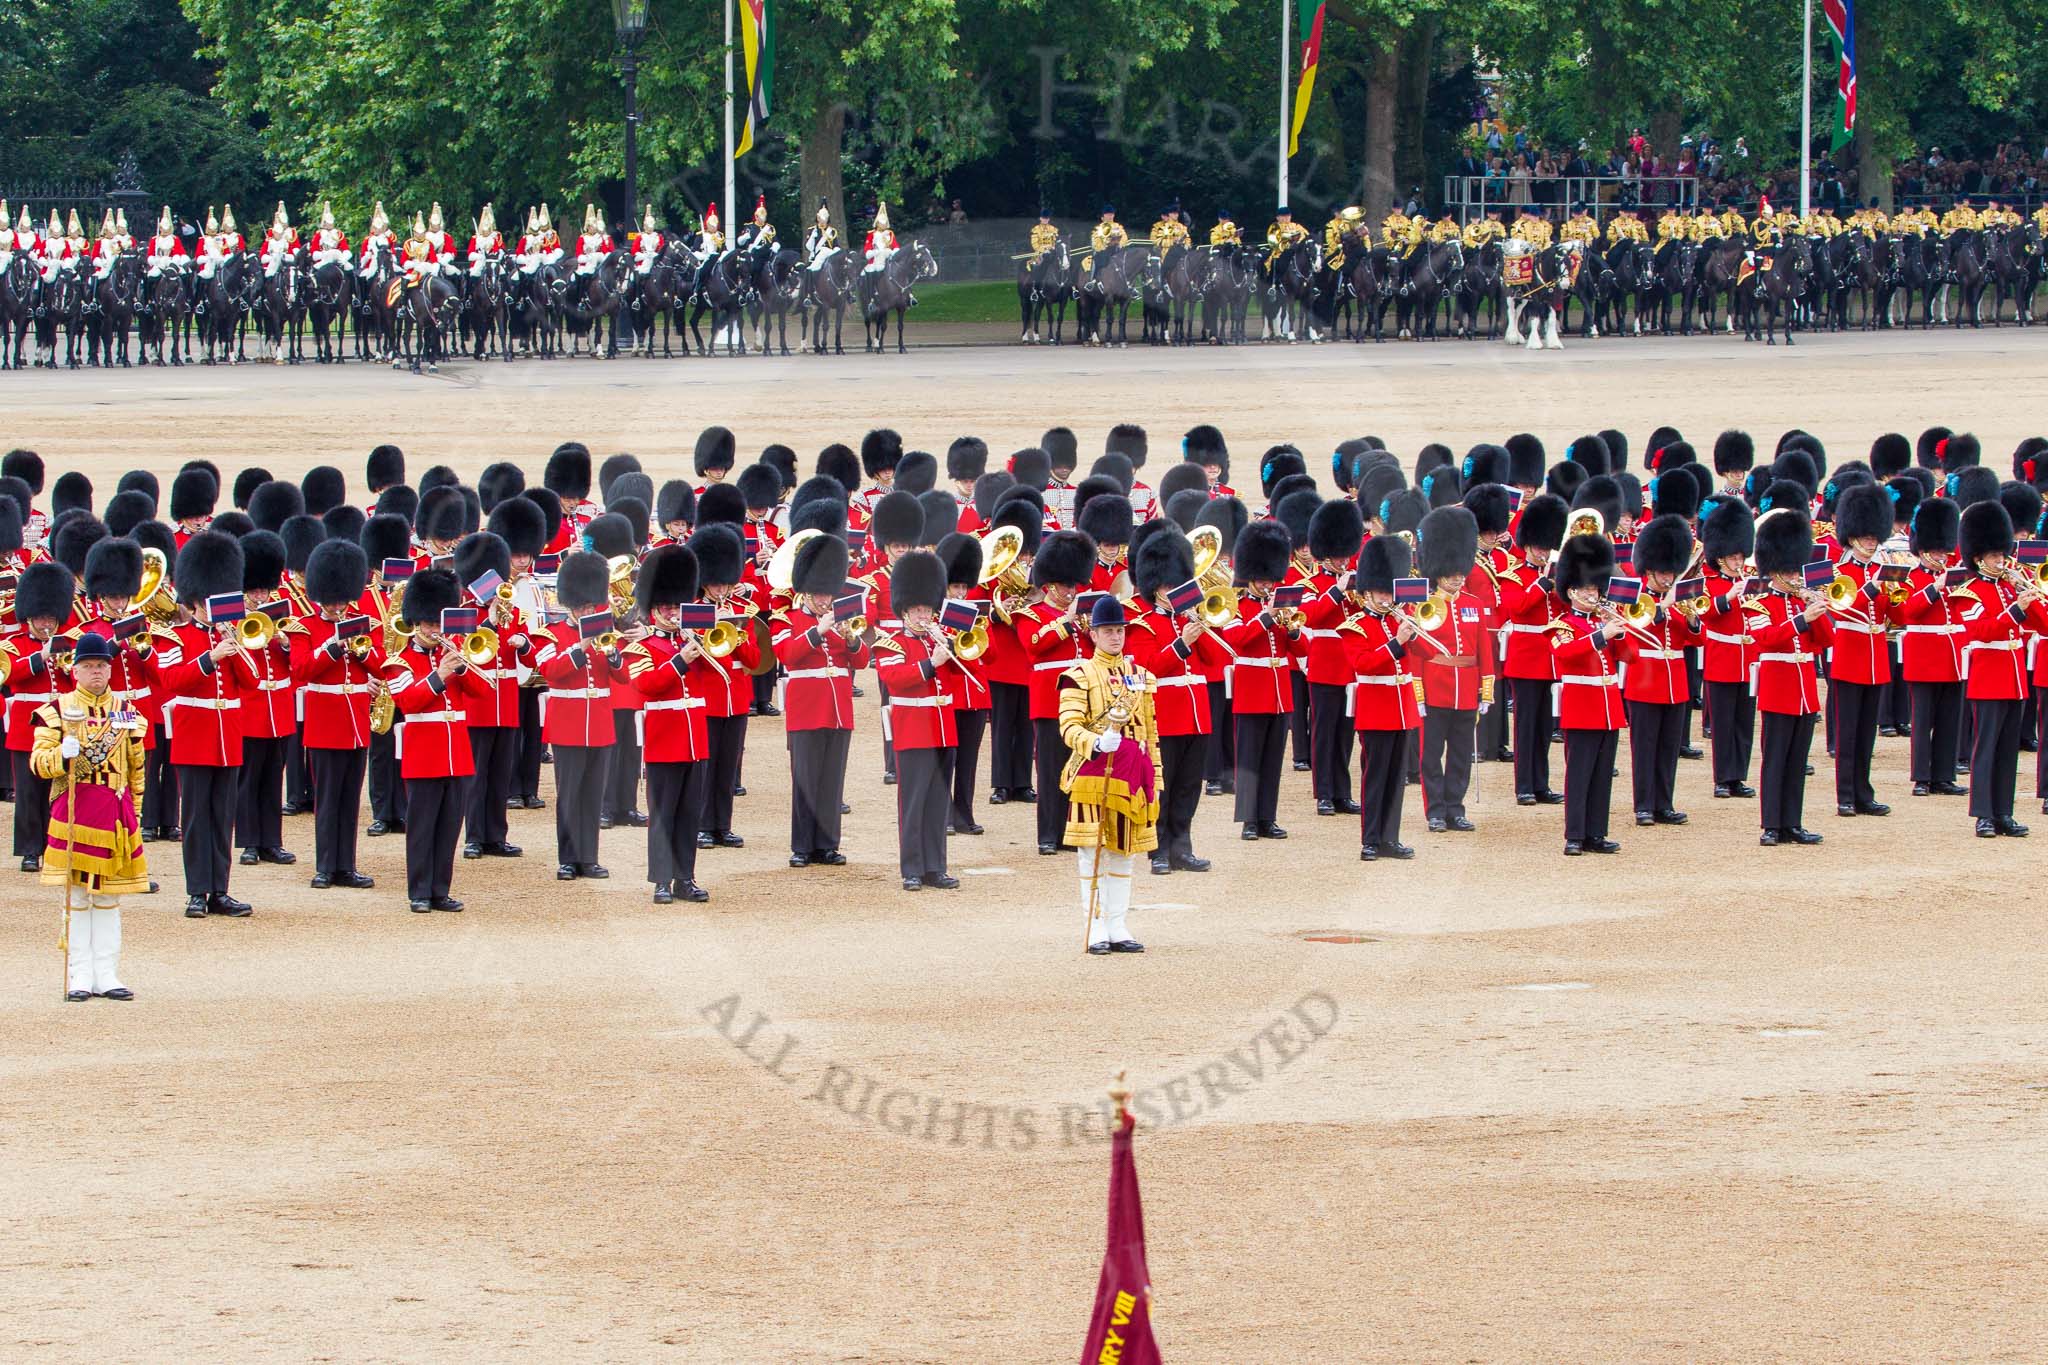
<point>757,47</point>
<point>1842,28</point>
<point>1311,53</point>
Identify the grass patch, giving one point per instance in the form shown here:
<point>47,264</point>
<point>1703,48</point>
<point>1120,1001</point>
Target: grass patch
<point>995,302</point>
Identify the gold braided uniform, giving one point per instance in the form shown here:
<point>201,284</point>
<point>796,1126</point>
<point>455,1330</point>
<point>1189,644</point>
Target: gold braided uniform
<point>1225,233</point>
<point>1705,225</point>
<point>2041,218</point>
<point>1394,228</point>
<point>1624,227</point>
<point>1168,233</point>
<point>1532,230</point>
<point>1580,227</point>
<point>1961,218</point>
<point>1100,812</point>
<point>1733,224</point>
<point>1444,229</point>
<point>1105,237</point>
<point>108,860</point>
<point>1333,236</point>
<point>1764,232</point>
<point>1480,231</point>
<point>1044,237</point>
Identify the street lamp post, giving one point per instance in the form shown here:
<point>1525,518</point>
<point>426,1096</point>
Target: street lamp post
<point>630,19</point>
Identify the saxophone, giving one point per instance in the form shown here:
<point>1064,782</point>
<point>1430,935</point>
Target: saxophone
<point>383,710</point>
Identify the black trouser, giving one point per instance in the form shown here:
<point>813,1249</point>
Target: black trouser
<point>31,809</point>
<point>1781,791</point>
<point>1937,724</point>
<point>2041,744</point>
<point>888,739</point>
<point>1655,732</point>
<point>764,690</point>
<point>1825,671</point>
<point>1180,791</point>
<point>622,766</point>
<point>1856,707</point>
<point>1009,760</point>
<point>259,792</point>
<point>1447,737</point>
<point>726,741</point>
<point>1382,784</point>
<point>970,726</point>
<point>817,787</point>
<point>1050,756</point>
<point>159,785</point>
<point>579,795</point>
<point>1588,782</point>
<point>1297,724</point>
<point>495,751</point>
<point>1695,685</point>
<point>433,822</point>
<point>526,772</point>
<point>1896,711</point>
<point>1221,764</point>
<point>1491,732</point>
<point>298,778</point>
<point>1994,759</point>
<point>924,779</point>
<point>208,794</point>
<point>1261,744</point>
<point>1733,713</point>
<point>337,800</point>
<point>675,813</point>
<point>1330,741</point>
<point>1532,735</point>
<point>387,785</point>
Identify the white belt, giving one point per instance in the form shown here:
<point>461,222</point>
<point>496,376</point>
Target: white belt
<point>496,674</point>
<point>796,673</point>
<point>273,684</point>
<point>449,716</point>
<point>1934,630</point>
<point>1309,634</point>
<point>1591,679</point>
<point>1994,644</point>
<point>1047,665</point>
<point>1385,679</point>
<point>337,689</point>
<point>1721,638</point>
<point>1861,628</point>
<point>36,698</point>
<point>920,701</point>
<point>1260,661</point>
<point>1785,658</point>
<point>581,693</point>
<point>675,704</point>
<point>207,703</point>
<point>1660,654</point>
<point>1182,680</point>
<point>1518,628</point>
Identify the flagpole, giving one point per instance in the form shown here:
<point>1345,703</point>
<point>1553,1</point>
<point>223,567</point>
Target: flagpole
<point>729,219</point>
<point>1806,118</point>
<point>1285,66</point>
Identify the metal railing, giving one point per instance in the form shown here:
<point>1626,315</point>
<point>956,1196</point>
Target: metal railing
<point>1469,196</point>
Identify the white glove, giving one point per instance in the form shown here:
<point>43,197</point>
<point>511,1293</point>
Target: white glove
<point>1484,707</point>
<point>1107,742</point>
<point>69,748</point>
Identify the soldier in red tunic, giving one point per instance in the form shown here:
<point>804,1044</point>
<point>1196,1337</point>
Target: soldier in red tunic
<point>1336,532</point>
<point>1996,628</point>
<point>1727,538</point>
<point>1656,687</point>
<point>909,660</point>
<point>821,656</point>
<point>576,716</point>
<point>43,606</point>
<point>1453,663</point>
<point>1583,645</point>
<point>1931,650</point>
<point>1860,667</point>
<point>336,680</point>
<point>1260,679</point>
<point>1379,646</point>
<point>203,717</point>
<point>1054,635</point>
<point>1791,628</point>
<point>670,671</point>
<point>1174,648</point>
<point>1528,603</point>
<point>966,682</point>
<point>433,689</point>
<point>269,713</point>
<point>494,715</point>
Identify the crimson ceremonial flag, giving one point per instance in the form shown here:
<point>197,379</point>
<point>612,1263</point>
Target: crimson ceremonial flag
<point>1120,1333</point>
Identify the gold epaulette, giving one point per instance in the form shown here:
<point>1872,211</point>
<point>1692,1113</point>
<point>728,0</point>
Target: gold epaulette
<point>292,625</point>
<point>888,642</point>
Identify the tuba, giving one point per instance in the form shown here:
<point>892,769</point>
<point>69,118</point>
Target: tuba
<point>1000,550</point>
<point>154,598</point>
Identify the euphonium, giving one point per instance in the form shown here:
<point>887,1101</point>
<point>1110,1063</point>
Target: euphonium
<point>1586,521</point>
<point>154,598</point>
<point>1840,591</point>
<point>1640,612</point>
<point>480,647</point>
<point>256,631</point>
<point>1000,549</point>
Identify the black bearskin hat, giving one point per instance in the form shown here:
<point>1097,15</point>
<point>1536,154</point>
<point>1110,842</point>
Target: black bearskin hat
<point>519,523</point>
<point>1062,449</point>
<point>1404,511</point>
<point>386,537</point>
<point>550,505</point>
<point>966,459</point>
<point>721,502</point>
<point>1066,557</point>
<point>1591,452</point>
<point>1166,560</point>
<point>1031,468</point>
<point>827,514</point>
<point>1106,519</point>
<point>1488,504</point>
<point>1294,513</point>
<point>193,494</point>
<point>1890,454</point>
<point>1441,486</point>
<point>44,590</point>
<point>126,511</point>
<point>880,450</point>
<point>235,523</point>
<point>155,535</point>
<point>337,574</point>
<point>1905,495</point>
<point>441,517</point>
<point>941,515</point>
<point>500,481</point>
<point>1336,530</point>
<point>1926,450</point>
<point>837,461</point>
<point>1116,467</point>
<point>429,593</point>
<point>113,568</point>
<point>1784,541</point>
<point>1377,484</point>
<point>25,465</point>
<point>1727,530</point>
<point>961,554</point>
<point>1382,560</point>
<point>1781,494</point>
<point>1287,488</point>
<point>1937,523</point>
<point>16,492</point>
<point>72,489</point>
<point>247,482</point>
<point>759,485</point>
<point>1279,462</point>
<point>1447,543</point>
<point>2028,464</point>
<point>1617,449</point>
<point>1542,522</point>
<point>613,467</point>
<point>1631,494</point>
<point>721,554</point>
<point>632,484</point>
<point>385,467</point>
<point>1204,445</point>
<point>1129,440</point>
<point>1799,466</point>
<point>1986,530</point>
<point>1526,460</point>
<point>584,582</point>
<point>10,526</point>
<point>400,500</point>
<point>1092,487</point>
<point>472,510</point>
<point>820,488</point>
<point>918,579</point>
<point>1664,545</point>
<point>73,540</point>
<point>1485,463</point>
<point>990,487</point>
<point>1971,484</point>
<point>438,476</point>
<point>1182,477</point>
<point>1671,457</point>
<point>262,561</point>
<point>209,565</point>
<point>1585,561</point>
<point>917,473</point>
<point>1024,514</point>
<point>322,487</point>
<point>568,472</point>
<point>479,554</point>
<point>301,534</point>
<point>898,519</point>
<point>820,567</point>
<point>1960,451</point>
<point>2022,502</point>
<point>1862,509</point>
<point>1676,493</point>
<point>1228,515</point>
<point>668,577</point>
<point>611,535</point>
<point>140,480</point>
<point>1184,508</point>
<point>1262,553</point>
<point>675,501</point>
<point>1565,479</point>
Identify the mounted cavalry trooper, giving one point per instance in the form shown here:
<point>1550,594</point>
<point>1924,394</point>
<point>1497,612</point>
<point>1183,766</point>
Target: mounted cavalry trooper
<point>1283,234</point>
<point>55,253</point>
<point>438,236</point>
<point>232,243</point>
<point>821,243</point>
<point>105,248</point>
<point>486,244</point>
<point>758,231</point>
<point>1108,235</point>
<point>211,252</point>
<point>1345,220</point>
<point>541,245</point>
<point>881,242</point>
<point>1226,232</point>
<point>1169,232</point>
<point>127,238</point>
<point>378,235</point>
<point>330,243</point>
<point>593,244</point>
<point>166,251</point>
<point>421,258</point>
<point>1045,235</point>
<point>1580,227</point>
<point>1480,231</point>
<point>280,241</point>
<point>22,239</point>
<point>647,247</point>
<point>1404,237</point>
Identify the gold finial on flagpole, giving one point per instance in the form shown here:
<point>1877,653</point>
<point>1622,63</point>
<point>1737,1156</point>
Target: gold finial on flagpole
<point>1120,1091</point>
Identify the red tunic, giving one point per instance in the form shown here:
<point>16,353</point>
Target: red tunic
<point>1181,691</point>
<point>1385,699</point>
<point>1860,655</point>
<point>1994,657</point>
<point>671,692</point>
<point>818,673</point>
<point>1788,653</point>
<point>433,732</point>
<point>1931,643</point>
<point>1656,672</point>
<point>203,702</point>
<point>334,692</point>
<point>1729,655</point>
<point>577,709</point>
<point>1260,678</point>
<point>1527,607</point>
<point>920,711</point>
<point>1053,645</point>
<point>1452,676</point>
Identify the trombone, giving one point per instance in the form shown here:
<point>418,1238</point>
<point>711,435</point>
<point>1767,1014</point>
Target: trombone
<point>480,647</point>
<point>255,631</point>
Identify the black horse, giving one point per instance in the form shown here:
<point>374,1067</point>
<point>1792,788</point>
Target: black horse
<point>1289,296</point>
<point>1971,275</point>
<point>1478,283</point>
<point>1044,288</point>
<point>19,289</point>
<point>166,316</point>
<point>424,315</point>
<point>1774,290</point>
<point>776,281</point>
<point>1431,272</point>
<point>723,291</point>
<point>219,309</point>
<point>330,289</point>
<point>486,316</point>
<point>891,291</point>
<point>592,303</point>
<point>1633,266</point>
<point>658,295</point>
<point>1674,281</point>
<point>1227,292</point>
<point>1108,293</point>
<point>110,326</point>
<point>832,287</point>
<point>281,307</point>
<point>1177,286</point>
<point>1592,284</point>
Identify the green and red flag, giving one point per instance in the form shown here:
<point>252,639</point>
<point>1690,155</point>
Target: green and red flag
<point>1311,12</point>
<point>1120,1332</point>
<point>1841,16</point>
<point>757,51</point>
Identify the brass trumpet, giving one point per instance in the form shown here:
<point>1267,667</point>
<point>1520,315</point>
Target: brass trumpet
<point>722,639</point>
<point>1430,612</point>
<point>972,643</point>
<point>359,646</point>
<point>1218,608</point>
